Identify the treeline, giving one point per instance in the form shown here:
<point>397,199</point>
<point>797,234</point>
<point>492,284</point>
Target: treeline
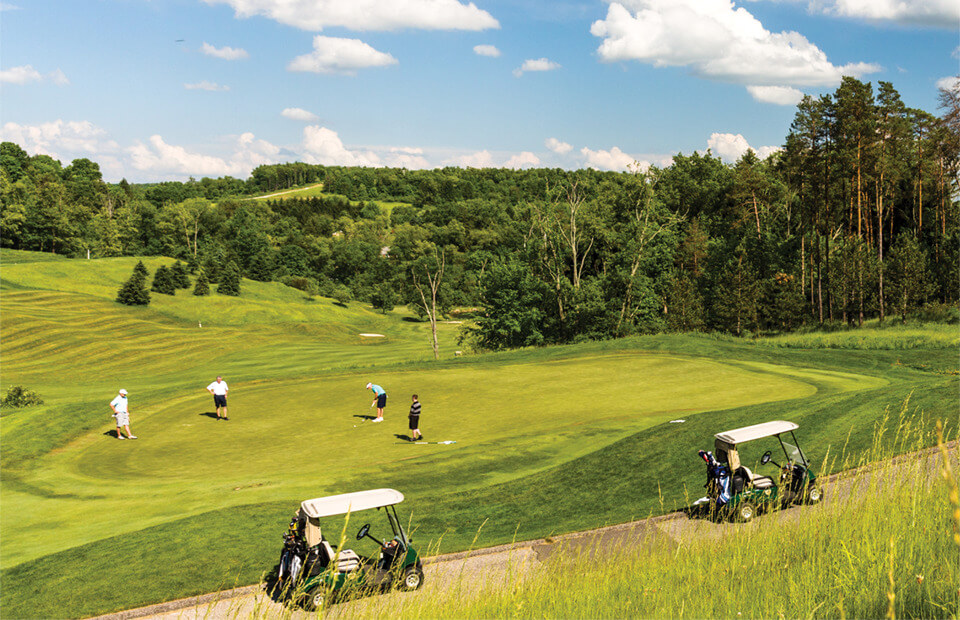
<point>855,218</point>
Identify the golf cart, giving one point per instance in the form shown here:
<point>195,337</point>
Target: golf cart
<point>312,572</point>
<point>737,492</point>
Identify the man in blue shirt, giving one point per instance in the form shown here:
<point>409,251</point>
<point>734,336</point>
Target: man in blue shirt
<point>380,400</point>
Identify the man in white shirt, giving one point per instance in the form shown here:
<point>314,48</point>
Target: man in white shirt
<point>219,390</point>
<point>122,414</point>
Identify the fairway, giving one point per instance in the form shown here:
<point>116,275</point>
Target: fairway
<point>547,440</point>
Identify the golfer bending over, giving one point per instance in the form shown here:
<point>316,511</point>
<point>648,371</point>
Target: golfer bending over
<point>122,414</point>
<point>380,401</point>
<point>219,390</point>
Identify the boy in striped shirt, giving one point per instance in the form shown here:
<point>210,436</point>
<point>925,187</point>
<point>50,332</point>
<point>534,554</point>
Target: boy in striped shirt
<point>415,419</point>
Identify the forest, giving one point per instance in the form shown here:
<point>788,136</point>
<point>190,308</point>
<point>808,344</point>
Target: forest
<point>855,218</point>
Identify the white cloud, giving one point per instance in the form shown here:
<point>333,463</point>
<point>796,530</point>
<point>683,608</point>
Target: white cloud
<point>26,73</point>
<point>60,139</point>
<point>486,50</point>
<point>225,52</point>
<point>731,147</point>
<point>6,6</point>
<point>942,13</point>
<point>780,95</point>
<point>168,160</point>
<point>561,148</point>
<point>614,159</point>
<point>949,83</point>
<point>715,40</point>
<point>479,159</point>
<point>205,85</point>
<point>538,64</point>
<point>337,55</point>
<point>323,146</point>
<point>526,159</point>
<point>367,14</point>
<point>298,114</point>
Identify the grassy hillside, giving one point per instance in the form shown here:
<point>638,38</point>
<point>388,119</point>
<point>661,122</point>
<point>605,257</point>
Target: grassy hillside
<point>548,440</point>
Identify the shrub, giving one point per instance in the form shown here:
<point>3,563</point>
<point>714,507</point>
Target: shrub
<point>179,275</point>
<point>163,281</point>
<point>134,291</point>
<point>18,396</point>
<point>202,287</point>
<point>307,285</point>
<point>230,281</point>
<point>383,298</point>
<point>342,294</point>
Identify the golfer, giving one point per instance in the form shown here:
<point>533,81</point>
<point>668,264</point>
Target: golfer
<point>122,414</point>
<point>380,400</point>
<point>415,419</point>
<point>219,390</point>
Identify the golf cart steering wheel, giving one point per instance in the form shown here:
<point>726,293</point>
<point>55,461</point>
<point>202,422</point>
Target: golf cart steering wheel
<point>766,459</point>
<point>365,532</point>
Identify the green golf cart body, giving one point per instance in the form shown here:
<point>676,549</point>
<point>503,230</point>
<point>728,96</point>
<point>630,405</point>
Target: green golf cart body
<point>752,493</point>
<point>325,573</point>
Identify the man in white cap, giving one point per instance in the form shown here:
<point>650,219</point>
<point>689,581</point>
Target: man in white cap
<point>380,400</point>
<point>122,414</point>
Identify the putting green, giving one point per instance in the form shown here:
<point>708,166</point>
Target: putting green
<point>306,437</point>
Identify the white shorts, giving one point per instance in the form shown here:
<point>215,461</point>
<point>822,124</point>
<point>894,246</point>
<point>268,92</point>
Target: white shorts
<point>123,419</point>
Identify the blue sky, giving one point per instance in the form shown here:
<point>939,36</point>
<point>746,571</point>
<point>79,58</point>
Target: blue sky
<point>165,89</point>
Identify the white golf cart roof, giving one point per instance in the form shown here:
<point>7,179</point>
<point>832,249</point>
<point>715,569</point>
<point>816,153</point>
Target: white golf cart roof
<point>350,502</point>
<point>757,431</point>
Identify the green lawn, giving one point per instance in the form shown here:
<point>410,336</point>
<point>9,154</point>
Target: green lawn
<point>548,440</point>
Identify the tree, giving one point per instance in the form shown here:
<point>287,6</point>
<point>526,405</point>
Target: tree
<point>736,295</point>
<point>230,280</point>
<point>341,293</point>
<point>179,275</point>
<point>512,300</point>
<point>383,298</point>
<point>202,286</point>
<point>426,277</point>
<point>134,291</point>
<point>908,273</point>
<point>163,281</point>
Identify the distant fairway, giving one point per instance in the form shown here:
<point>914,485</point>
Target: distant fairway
<point>548,440</point>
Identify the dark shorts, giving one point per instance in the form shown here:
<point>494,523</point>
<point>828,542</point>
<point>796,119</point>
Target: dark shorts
<point>414,422</point>
<point>219,400</point>
<point>381,401</point>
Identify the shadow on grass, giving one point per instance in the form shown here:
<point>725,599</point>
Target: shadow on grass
<point>365,417</point>
<point>114,433</point>
<point>209,414</point>
<point>406,438</point>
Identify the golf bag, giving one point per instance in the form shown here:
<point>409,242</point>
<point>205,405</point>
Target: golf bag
<point>718,478</point>
<point>294,551</point>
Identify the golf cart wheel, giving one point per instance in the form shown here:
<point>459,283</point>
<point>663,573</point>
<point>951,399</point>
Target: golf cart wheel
<point>315,599</point>
<point>746,512</point>
<point>412,578</point>
<point>814,495</point>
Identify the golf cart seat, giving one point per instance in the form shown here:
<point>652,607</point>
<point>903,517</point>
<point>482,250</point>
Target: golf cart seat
<point>347,561</point>
<point>758,482</point>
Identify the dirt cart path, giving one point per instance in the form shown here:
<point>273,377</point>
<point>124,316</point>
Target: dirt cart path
<point>468,571</point>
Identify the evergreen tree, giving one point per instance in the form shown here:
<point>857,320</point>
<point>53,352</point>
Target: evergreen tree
<point>212,267</point>
<point>736,295</point>
<point>908,274</point>
<point>134,291</point>
<point>163,281</point>
<point>202,287</point>
<point>261,267</point>
<point>230,281</point>
<point>179,275</point>
<point>141,269</point>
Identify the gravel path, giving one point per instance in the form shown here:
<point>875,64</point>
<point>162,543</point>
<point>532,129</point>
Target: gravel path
<point>449,573</point>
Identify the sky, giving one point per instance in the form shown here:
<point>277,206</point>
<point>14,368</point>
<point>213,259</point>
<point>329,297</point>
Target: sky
<point>157,90</point>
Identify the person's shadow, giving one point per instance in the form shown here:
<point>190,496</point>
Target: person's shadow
<point>113,433</point>
<point>365,417</point>
<point>209,414</point>
<point>406,438</point>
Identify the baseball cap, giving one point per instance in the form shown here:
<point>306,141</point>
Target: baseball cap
<point>124,392</point>
<point>369,385</point>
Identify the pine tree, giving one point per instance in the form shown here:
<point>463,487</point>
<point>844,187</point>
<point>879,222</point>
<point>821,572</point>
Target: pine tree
<point>134,291</point>
<point>230,281</point>
<point>179,275</point>
<point>163,281</point>
<point>141,269</point>
<point>202,287</point>
<point>211,266</point>
<point>261,267</point>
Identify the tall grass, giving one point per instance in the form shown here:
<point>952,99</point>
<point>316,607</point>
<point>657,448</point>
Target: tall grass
<point>883,545</point>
